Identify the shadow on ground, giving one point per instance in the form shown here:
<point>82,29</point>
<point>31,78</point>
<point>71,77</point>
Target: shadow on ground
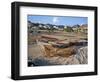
<point>39,62</point>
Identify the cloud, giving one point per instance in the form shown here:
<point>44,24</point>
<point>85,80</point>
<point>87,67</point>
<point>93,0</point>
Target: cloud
<point>55,20</point>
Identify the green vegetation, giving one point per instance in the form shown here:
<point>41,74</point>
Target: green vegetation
<point>68,29</point>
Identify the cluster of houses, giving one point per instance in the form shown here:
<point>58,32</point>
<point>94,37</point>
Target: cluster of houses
<point>34,27</point>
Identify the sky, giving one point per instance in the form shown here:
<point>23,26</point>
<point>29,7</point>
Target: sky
<point>58,20</point>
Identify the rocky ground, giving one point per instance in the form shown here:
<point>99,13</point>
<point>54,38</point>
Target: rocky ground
<point>58,48</point>
<point>37,58</point>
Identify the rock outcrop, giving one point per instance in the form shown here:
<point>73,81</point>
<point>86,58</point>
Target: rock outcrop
<point>80,57</point>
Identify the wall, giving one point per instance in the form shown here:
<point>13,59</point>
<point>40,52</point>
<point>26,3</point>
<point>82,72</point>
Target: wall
<point>5,40</point>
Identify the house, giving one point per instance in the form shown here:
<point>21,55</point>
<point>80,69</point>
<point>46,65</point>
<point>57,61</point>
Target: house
<point>80,28</point>
<point>83,28</point>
